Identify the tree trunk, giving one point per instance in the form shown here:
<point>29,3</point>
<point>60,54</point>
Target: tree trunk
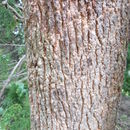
<point>76,55</point>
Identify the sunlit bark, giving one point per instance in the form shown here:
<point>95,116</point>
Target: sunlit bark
<point>76,55</point>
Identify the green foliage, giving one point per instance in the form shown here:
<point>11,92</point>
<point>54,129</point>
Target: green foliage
<point>126,85</point>
<point>1,110</point>
<point>15,117</point>
<point>11,2</point>
<point>21,51</point>
<point>15,93</point>
<point>15,112</point>
<point>7,24</point>
<point>14,109</point>
<point>4,61</point>
<point>10,116</point>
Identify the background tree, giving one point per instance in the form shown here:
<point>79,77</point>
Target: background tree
<point>76,56</point>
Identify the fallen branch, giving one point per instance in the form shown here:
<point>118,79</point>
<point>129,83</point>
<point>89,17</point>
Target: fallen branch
<point>12,45</point>
<point>11,75</point>
<point>23,79</point>
<point>18,6</point>
<point>15,12</point>
<point>17,15</point>
<point>19,75</point>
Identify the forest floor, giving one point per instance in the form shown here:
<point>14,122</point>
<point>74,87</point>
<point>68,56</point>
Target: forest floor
<point>123,119</point>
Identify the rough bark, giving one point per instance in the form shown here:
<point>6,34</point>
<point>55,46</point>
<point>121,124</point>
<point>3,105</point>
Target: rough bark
<point>76,55</point>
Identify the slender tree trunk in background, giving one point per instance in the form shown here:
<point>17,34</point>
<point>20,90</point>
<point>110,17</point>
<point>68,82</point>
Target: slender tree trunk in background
<point>76,55</point>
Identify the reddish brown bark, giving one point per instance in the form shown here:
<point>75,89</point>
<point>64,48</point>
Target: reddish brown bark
<point>76,54</point>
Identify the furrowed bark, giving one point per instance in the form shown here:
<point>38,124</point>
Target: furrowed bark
<point>76,56</point>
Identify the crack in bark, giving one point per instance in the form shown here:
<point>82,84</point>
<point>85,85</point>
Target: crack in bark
<point>82,108</point>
